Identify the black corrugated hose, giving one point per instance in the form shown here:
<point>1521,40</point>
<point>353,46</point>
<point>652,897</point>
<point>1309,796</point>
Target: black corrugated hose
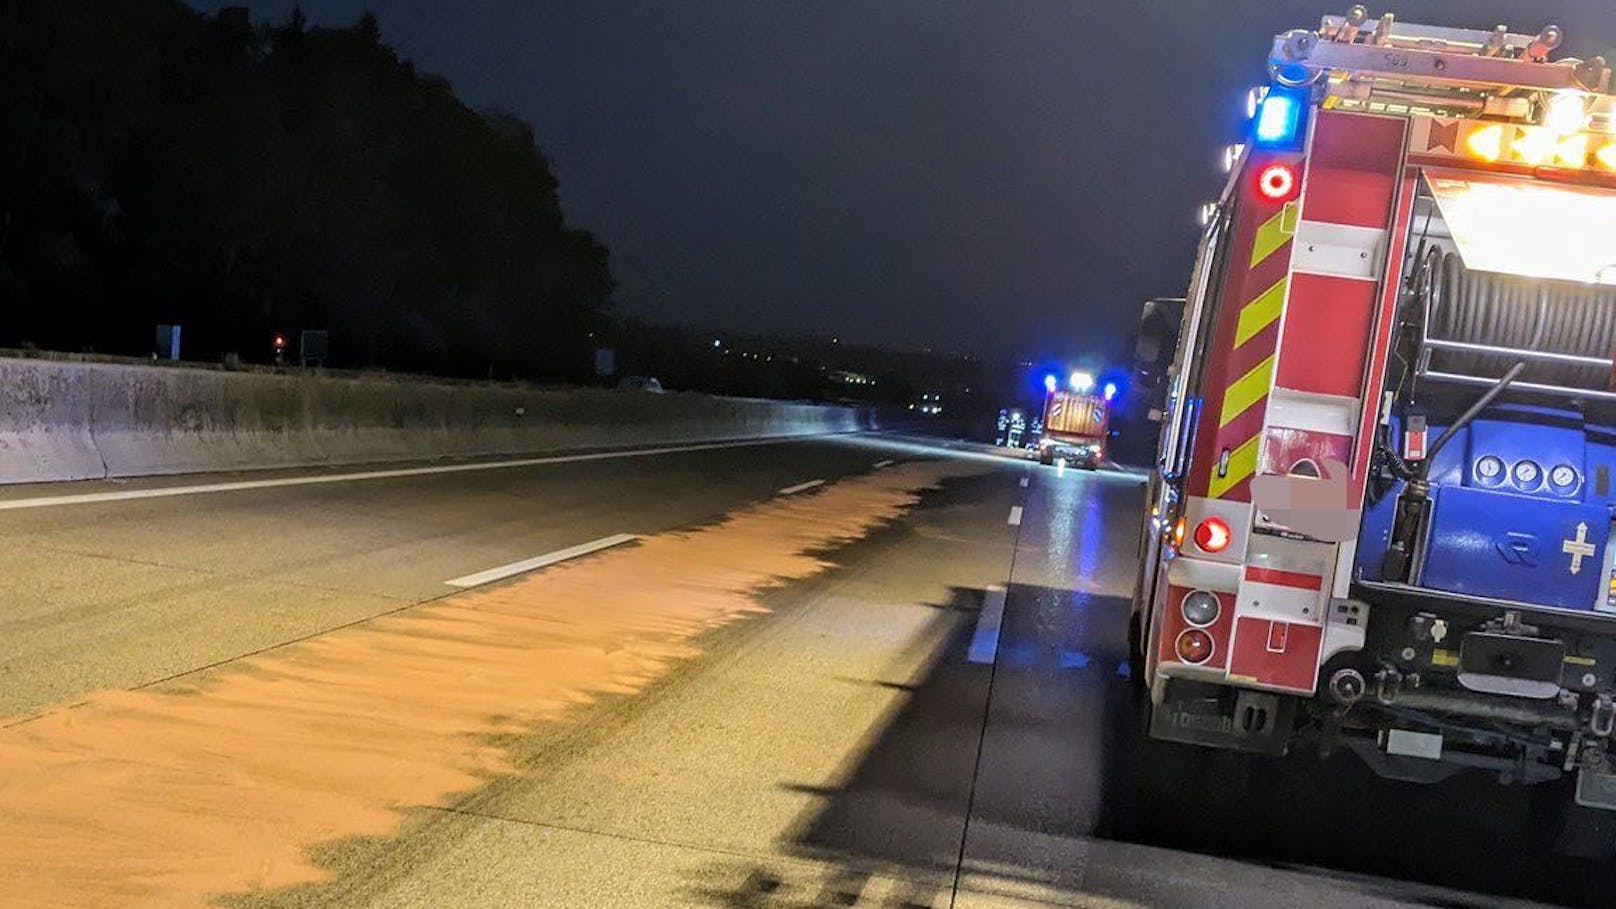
<point>1527,313</point>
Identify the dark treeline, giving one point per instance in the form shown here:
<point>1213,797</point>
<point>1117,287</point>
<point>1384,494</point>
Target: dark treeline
<point>815,369</point>
<point>160,166</point>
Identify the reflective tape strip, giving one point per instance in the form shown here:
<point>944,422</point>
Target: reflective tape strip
<point>1261,312</point>
<point>1274,233</point>
<point>1242,464</point>
<point>1254,342</point>
<point>1297,579</point>
<point>1247,390</point>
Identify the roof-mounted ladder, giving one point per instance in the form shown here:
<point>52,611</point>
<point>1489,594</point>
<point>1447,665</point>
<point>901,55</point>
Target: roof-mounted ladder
<point>1415,57</point>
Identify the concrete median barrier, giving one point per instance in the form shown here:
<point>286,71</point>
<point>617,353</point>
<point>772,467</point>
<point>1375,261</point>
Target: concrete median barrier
<point>65,420</point>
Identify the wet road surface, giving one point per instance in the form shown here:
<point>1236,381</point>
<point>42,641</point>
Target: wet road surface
<point>904,687</point>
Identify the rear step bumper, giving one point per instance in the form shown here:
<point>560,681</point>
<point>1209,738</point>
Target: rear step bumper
<point>1221,716</point>
<point>1484,607</point>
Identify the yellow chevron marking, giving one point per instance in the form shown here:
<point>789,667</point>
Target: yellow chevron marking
<point>1242,464</point>
<point>1261,312</point>
<point>1273,233</point>
<point>1247,390</point>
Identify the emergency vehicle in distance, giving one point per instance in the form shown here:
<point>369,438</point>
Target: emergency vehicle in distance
<point>1075,423</point>
<point>1382,511</point>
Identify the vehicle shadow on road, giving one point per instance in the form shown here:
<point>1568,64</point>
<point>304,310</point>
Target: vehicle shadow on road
<point>1069,805</point>
<point>893,832</point>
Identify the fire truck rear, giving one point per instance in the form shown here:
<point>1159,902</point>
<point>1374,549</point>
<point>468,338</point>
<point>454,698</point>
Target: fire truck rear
<point>1075,428</point>
<point>1382,515</point>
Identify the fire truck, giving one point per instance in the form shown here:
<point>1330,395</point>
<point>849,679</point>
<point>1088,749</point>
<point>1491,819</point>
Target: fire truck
<point>1381,515</point>
<point>1075,427</point>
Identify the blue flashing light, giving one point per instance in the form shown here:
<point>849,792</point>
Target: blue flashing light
<point>1279,119</point>
<point>1051,383</point>
<point>1110,390</point>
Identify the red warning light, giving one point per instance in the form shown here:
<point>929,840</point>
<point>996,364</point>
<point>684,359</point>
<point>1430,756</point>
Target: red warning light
<point>1213,535</point>
<point>280,342</point>
<point>1277,182</point>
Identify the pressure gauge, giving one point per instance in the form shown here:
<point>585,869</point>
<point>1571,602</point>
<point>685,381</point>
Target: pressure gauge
<point>1563,476</point>
<point>1527,474</point>
<point>1490,469</point>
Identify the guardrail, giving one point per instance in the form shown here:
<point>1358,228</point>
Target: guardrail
<point>72,419</point>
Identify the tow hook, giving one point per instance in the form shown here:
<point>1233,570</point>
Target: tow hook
<point>1603,717</point>
<point>1388,685</point>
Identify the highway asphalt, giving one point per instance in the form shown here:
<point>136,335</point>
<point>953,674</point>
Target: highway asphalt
<point>905,686</point>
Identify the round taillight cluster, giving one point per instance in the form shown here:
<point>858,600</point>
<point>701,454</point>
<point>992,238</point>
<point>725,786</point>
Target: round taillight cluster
<point>1200,608</point>
<point>1194,646</point>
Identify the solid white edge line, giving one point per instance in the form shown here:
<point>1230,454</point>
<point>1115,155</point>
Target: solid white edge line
<point>166,491</point>
<point>985,641</point>
<point>1024,481</point>
<point>886,463</point>
<point>543,561</point>
<point>801,487</point>
<point>1015,515</point>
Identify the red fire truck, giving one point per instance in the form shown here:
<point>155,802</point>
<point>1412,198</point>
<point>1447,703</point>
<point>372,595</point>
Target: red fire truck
<point>1382,512</point>
<point>1075,428</point>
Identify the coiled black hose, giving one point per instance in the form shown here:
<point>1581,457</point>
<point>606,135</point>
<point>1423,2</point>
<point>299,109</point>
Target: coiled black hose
<point>1524,313</point>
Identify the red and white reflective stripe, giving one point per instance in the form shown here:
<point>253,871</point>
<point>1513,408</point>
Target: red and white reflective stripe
<point>1283,596</point>
<point>1286,579</point>
<point>1280,578</point>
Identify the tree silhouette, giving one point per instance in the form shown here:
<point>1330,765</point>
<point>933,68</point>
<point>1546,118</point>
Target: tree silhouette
<point>241,179</point>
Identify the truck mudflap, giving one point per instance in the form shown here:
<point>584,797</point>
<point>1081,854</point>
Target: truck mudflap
<point>1221,716</point>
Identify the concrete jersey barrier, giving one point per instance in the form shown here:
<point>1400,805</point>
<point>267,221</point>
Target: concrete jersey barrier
<point>73,421</point>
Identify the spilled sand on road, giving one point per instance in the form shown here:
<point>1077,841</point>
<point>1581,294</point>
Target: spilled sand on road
<point>165,797</point>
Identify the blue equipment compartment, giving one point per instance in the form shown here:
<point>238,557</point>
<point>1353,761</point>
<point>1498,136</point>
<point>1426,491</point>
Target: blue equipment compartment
<point>1517,512</point>
<point>1514,547</point>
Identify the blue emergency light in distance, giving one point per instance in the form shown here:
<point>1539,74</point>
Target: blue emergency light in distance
<point>1278,122</point>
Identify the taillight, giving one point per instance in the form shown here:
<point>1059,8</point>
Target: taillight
<point>1213,535</point>
<point>1277,182</point>
<point>1178,534</point>
<point>1193,646</point>
<point>1200,608</point>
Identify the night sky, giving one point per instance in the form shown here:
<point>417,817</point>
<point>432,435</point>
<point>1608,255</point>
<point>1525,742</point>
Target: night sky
<point>1006,178</point>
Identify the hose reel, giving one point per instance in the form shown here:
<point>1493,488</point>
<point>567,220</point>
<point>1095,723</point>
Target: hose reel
<point>1479,323</point>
